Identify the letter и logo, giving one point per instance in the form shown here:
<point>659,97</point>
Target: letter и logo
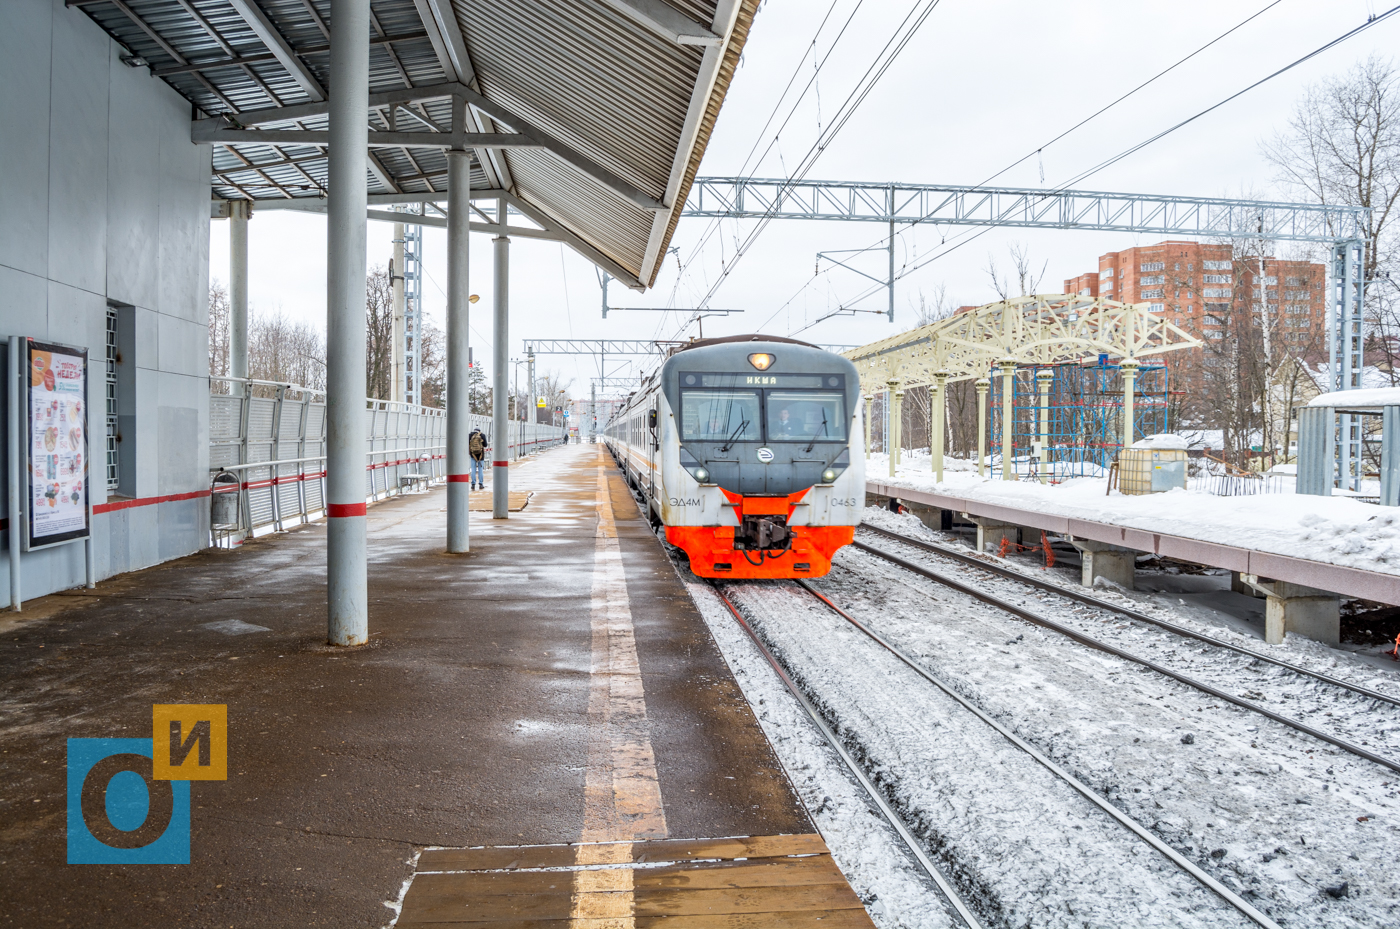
<point>190,742</point>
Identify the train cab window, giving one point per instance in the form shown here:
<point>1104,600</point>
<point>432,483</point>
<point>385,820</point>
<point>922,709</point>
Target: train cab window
<point>719,415</point>
<point>806,415</point>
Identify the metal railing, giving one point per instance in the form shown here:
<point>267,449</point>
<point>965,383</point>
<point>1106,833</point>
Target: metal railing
<point>271,437</point>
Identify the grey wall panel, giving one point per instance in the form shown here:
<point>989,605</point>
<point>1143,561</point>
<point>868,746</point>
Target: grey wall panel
<point>184,213</point>
<point>24,303</point>
<point>25,43</point>
<point>143,526</point>
<point>183,527</point>
<point>72,313</point>
<point>113,527</point>
<point>179,343</point>
<point>77,233</point>
<point>178,469</point>
<point>133,187</point>
<point>146,324</point>
<point>147,453</point>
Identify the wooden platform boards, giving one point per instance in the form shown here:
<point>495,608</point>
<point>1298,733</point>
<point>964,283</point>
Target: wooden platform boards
<point>756,882</point>
<point>480,501</point>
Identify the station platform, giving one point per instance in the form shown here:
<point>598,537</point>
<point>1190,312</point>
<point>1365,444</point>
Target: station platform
<point>530,724</point>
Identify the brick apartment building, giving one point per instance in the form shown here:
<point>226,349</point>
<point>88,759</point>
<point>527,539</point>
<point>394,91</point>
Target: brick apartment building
<point>1194,284</point>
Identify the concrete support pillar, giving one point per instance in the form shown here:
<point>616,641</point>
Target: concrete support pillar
<point>1304,611</point>
<point>983,384</point>
<point>1102,560</point>
<point>938,405</point>
<point>238,213</point>
<point>396,282</point>
<point>1238,585</point>
<point>500,346</point>
<point>346,554</point>
<point>459,420</point>
<point>1130,369</point>
<point>869,406</point>
<point>896,423</point>
<point>991,533</point>
<point>1008,391</point>
<point>1043,378</point>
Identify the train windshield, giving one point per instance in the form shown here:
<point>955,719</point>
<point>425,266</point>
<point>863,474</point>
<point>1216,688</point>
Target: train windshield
<point>806,416</point>
<point>719,415</point>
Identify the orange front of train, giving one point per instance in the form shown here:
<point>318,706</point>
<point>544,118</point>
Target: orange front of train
<point>761,452</point>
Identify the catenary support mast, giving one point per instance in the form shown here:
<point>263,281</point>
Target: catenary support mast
<point>458,350</point>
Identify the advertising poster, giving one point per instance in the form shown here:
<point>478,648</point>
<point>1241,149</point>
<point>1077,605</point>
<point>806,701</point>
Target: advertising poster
<point>58,444</point>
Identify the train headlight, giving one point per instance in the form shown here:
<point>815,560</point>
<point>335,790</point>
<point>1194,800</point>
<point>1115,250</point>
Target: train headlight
<point>701,475</point>
<point>828,476</point>
<point>761,360</point>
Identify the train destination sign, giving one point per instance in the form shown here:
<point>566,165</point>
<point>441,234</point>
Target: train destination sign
<point>699,379</point>
<point>58,444</point>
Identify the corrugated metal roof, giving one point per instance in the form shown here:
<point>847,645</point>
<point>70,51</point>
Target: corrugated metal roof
<point>637,104</point>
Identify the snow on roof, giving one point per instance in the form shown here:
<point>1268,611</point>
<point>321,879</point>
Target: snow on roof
<point>1163,440</point>
<point>1358,399</point>
<point>1371,376</point>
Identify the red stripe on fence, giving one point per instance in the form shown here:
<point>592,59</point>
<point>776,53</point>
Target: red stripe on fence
<point>345,509</point>
<point>146,501</point>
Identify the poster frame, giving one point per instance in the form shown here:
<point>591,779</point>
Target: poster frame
<point>76,535</point>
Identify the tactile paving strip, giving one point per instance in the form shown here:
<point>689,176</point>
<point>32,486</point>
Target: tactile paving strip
<point>773,882</point>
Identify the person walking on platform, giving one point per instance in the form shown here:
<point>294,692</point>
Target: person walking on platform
<point>476,447</point>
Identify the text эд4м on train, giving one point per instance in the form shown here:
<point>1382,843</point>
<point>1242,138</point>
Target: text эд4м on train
<point>750,450</point>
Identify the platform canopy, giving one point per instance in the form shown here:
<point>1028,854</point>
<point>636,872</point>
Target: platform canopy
<point>589,117</point>
<point>1041,329</point>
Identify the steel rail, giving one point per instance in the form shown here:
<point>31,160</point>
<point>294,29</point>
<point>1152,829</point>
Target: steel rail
<point>1085,639</point>
<point>1084,790</point>
<point>831,739</point>
<point>1131,614</point>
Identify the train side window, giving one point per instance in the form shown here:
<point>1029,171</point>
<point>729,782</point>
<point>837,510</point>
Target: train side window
<point>804,415</point>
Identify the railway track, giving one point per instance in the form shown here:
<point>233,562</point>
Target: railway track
<point>1097,643</point>
<point>1127,822</point>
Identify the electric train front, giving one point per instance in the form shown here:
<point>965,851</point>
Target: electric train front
<point>762,457</point>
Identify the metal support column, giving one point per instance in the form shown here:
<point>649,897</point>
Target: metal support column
<point>891,428</point>
<point>938,407</point>
<point>1008,390</point>
<point>1043,379</point>
<point>396,281</point>
<point>532,410</point>
<point>593,412</point>
<point>500,375</point>
<point>17,466</point>
<point>238,212</point>
<point>346,553</point>
<point>983,384</point>
<point>459,419</point>
<point>1345,341</point>
<point>1130,369</point>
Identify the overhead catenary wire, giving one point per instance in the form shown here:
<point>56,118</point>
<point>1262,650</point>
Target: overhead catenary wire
<point>972,235</point>
<point>867,82</point>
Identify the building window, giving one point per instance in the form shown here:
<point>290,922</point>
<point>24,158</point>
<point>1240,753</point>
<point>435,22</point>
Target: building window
<point>1106,272</point>
<point>1152,279</point>
<point>1216,278</point>
<point>1153,266</point>
<point>1153,294</point>
<point>1216,265</point>
<point>1216,293</point>
<point>113,463</point>
<point>1157,308</point>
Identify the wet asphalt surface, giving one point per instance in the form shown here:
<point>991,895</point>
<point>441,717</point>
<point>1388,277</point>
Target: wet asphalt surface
<point>463,722</point>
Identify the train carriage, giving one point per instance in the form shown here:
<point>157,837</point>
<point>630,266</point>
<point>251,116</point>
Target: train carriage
<point>750,451</point>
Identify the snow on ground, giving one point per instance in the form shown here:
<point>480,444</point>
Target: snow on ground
<point>888,880</point>
<point>1331,529</point>
<point>1290,816</point>
<point>1026,849</point>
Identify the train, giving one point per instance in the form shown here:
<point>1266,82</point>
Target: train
<point>750,451</point>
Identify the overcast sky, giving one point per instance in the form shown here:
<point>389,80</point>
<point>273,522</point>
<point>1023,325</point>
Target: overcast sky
<point>982,84</point>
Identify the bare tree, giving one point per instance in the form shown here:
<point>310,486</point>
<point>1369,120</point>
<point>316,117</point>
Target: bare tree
<point>555,390</point>
<point>379,331</point>
<point>432,358</point>
<point>285,351</point>
<point>219,315</point>
<point>1026,281</point>
<point>1342,146</point>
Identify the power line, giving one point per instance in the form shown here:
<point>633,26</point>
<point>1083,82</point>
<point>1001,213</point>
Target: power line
<point>847,109</point>
<point>1079,125</point>
<point>1373,20</point>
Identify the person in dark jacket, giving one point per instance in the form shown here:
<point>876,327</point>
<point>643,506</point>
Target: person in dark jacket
<point>476,447</point>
